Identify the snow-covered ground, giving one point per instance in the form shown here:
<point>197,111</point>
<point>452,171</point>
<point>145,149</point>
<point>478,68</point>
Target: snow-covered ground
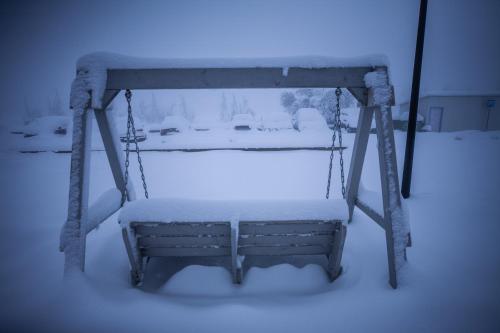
<point>450,284</point>
<point>190,139</point>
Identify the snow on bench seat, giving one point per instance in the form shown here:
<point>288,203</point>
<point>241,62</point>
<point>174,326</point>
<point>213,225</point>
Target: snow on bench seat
<point>189,210</point>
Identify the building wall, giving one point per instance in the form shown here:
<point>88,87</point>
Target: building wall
<point>461,48</point>
<point>461,112</point>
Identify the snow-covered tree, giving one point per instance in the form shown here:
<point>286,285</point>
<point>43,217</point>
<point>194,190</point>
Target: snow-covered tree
<point>288,99</point>
<point>225,114</point>
<point>55,106</point>
<point>323,100</point>
<point>240,106</point>
<point>150,113</point>
<point>30,112</point>
<point>172,110</point>
<point>185,111</point>
<point>156,116</point>
<point>235,108</point>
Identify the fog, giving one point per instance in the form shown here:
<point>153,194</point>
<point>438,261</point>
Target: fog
<point>41,41</point>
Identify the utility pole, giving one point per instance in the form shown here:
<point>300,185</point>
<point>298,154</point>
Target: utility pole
<point>415,94</point>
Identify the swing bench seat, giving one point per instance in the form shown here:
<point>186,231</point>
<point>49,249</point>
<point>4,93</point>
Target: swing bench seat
<point>233,229</point>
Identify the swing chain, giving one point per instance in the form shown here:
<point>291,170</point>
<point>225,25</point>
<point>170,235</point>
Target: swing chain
<point>131,130</point>
<point>338,92</point>
<point>336,130</point>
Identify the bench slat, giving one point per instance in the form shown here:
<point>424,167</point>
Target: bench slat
<point>324,240</point>
<point>284,250</point>
<point>181,228</point>
<point>166,241</point>
<point>286,227</point>
<point>185,251</point>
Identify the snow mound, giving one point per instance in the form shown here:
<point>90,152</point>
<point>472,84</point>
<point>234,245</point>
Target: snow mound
<point>190,210</point>
<point>310,119</point>
<point>200,281</point>
<point>285,279</point>
<point>243,120</point>
<point>379,82</point>
<point>204,122</point>
<point>276,121</point>
<point>47,125</point>
<point>406,115</point>
<point>175,122</point>
<point>196,280</point>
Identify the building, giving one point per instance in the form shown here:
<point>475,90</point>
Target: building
<point>460,84</point>
<point>446,113</point>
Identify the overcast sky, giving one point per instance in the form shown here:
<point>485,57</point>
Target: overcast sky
<point>41,40</point>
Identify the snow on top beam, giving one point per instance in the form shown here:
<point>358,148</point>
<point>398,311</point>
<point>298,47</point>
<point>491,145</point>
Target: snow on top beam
<point>104,71</point>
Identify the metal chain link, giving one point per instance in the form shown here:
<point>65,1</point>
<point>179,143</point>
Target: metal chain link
<point>336,129</point>
<point>338,92</point>
<point>131,130</point>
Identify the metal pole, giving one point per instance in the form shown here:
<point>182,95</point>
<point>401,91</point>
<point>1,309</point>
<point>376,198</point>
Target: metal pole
<point>415,92</point>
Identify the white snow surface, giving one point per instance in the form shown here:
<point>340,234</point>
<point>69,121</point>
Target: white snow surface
<point>105,206</point>
<point>449,284</point>
<point>204,122</point>
<point>46,125</point>
<point>406,115</point>
<point>310,119</point>
<point>245,119</point>
<point>216,138</point>
<point>177,122</point>
<point>189,210</point>
<point>379,82</point>
<point>276,121</point>
<point>92,68</point>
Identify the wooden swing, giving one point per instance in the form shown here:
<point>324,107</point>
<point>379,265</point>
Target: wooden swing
<point>219,236</point>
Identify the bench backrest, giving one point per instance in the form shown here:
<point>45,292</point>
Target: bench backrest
<point>183,239</point>
<point>286,237</point>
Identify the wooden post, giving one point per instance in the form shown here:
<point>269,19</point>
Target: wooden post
<point>234,257</point>
<point>389,181</point>
<point>115,156</point>
<point>358,156</point>
<point>380,98</point>
<point>134,256</point>
<point>116,163</point>
<point>74,231</point>
<point>335,256</point>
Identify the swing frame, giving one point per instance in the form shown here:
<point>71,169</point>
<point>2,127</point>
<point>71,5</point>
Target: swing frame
<point>352,78</point>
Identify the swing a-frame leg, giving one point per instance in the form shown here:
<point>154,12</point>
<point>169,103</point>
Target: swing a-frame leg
<point>379,101</point>
<point>76,228</point>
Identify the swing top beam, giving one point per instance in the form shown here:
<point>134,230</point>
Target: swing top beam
<point>229,78</point>
<point>109,73</point>
<point>351,78</point>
